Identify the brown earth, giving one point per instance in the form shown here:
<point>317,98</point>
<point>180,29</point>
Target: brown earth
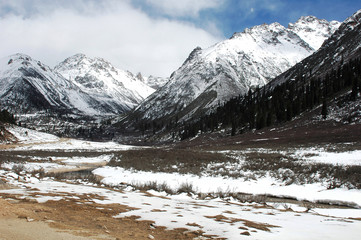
<point>74,219</point>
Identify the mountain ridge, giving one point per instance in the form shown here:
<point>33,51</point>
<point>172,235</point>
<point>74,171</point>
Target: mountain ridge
<point>227,69</point>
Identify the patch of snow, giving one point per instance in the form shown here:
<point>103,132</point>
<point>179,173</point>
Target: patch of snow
<point>336,158</point>
<point>26,136</point>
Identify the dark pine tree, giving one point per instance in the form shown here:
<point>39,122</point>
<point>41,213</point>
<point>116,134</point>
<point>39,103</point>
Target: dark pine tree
<point>324,111</point>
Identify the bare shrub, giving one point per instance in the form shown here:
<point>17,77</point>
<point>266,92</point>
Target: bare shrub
<point>186,188</point>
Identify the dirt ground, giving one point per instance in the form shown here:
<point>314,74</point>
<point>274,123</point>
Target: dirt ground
<point>292,134</point>
<point>74,219</point>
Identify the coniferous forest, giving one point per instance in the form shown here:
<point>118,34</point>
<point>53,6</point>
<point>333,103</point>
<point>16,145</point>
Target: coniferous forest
<point>268,106</point>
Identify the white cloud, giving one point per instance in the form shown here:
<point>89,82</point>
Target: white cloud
<point>50,31</point>
<point>179,8</point>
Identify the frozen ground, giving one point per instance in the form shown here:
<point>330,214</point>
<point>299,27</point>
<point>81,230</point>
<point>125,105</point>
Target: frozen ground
<point>225,217</point>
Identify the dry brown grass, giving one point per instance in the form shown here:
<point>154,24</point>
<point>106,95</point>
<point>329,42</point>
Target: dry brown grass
<point>167,160</point>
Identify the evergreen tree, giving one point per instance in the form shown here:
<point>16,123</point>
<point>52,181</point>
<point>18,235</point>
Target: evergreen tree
<point>354,91</point>
<point>324,111</point>
<point>233,128</point>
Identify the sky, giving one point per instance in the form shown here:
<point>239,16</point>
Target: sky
<point>153,37</point>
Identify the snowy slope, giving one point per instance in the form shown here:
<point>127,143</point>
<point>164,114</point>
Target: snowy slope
<point>342,46</point>
<point>27,86</point>
<point>229,68</point>
<point>95,76</point>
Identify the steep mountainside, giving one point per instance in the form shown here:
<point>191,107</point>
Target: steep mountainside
<point>343,45</point>
<point>118,89</point>
<point>28,86</point>
<point>232,67</point>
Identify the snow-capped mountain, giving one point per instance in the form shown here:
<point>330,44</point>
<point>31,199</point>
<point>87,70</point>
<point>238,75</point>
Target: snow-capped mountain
<point>117,88</point>
<point>28,86</point>
<point>314,31</point>
<point>230,68</point>
<point>343,45</point>
<point>87,86</point>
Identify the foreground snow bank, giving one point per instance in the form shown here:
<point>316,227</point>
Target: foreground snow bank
<point>209,184</point>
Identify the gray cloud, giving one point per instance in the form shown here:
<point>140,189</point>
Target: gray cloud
<point>53,30</point>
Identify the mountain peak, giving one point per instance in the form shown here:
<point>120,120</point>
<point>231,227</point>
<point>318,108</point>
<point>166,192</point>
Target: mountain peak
<point>308,19</point>
<point>260,29</point>
<point>314,30</point>
<point>20,56</point>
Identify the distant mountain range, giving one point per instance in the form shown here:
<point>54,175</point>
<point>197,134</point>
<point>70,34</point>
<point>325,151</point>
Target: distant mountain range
<point>78,85</point>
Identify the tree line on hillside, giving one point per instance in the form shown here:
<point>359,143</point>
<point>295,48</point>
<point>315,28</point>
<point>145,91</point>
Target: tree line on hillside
<point>267,106</point>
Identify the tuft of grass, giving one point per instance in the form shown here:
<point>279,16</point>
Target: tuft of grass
<point>153,185</point>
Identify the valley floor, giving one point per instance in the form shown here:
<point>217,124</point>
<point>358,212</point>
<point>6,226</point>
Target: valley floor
<point>113,191</point>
